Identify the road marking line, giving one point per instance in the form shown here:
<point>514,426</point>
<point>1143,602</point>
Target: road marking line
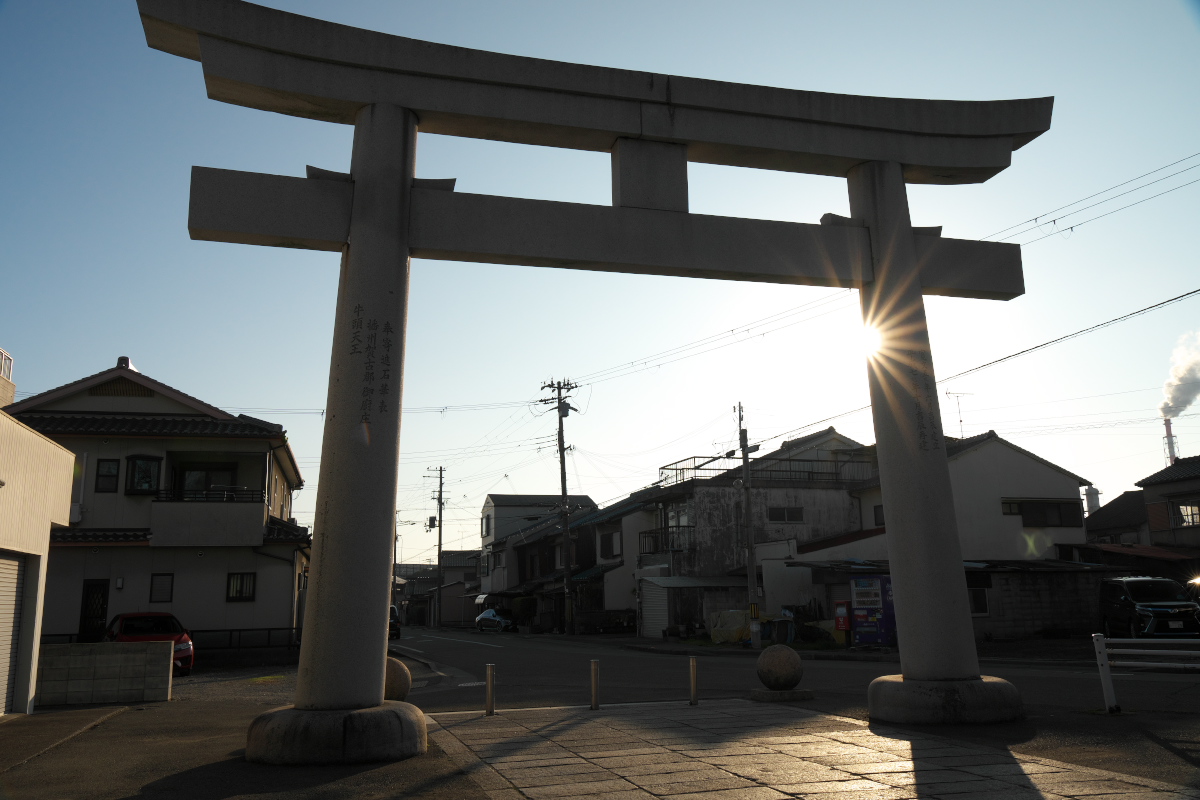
<point>406,647</point>
<point>464,641</point>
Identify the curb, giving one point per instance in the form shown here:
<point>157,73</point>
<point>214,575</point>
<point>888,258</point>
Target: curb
<point>67,738</point>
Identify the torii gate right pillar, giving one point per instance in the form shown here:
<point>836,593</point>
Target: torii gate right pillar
<point>940,681</point>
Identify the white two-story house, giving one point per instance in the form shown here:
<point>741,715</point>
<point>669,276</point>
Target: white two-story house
<point>176,506</point>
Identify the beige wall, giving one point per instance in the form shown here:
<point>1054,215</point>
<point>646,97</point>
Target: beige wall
<point>37,487</point>
<point>36,493</point>
<point>199,590</point>
<point>984,475</point>
<point>119,510</point>
<point>981,477</point>
<point>207,524</point>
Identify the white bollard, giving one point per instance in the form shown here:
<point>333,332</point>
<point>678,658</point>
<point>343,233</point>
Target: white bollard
<point>1110,696</point>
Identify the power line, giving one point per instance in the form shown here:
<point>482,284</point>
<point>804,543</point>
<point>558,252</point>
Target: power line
<point>1097,194</point>
<point>1038,225</point>
<point>1024,352</point>
<point>1114,211</point>
<point>1074,335</point>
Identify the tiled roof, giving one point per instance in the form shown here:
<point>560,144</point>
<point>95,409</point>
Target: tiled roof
<point>184,426</point>
<point>1150,551</point>
<point>546,500</point>
<point>281,531</point>
<point>459,558</point>
<point>1126,511</point>
<point>99,535</point>
<point>1181,470</point>
<point>882,566</point>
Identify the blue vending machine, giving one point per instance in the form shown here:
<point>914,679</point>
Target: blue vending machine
<point>874,617</point>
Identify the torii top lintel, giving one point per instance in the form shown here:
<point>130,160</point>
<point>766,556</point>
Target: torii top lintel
<point>291,64</point>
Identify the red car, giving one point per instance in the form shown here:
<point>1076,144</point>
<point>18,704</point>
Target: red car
<point>154,626</point>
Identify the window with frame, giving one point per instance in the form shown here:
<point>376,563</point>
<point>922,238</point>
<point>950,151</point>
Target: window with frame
<point>498,558</point>
<point>162,587</point>
<point>208,481</point>
<point>108,471</point>
<point>978,599</point>
<point>785,514</point>
<point>141,474</point>
<point>1045,513</point>
<point>1189,514</point>
<point>558,556</point>
<point>239,587</point>
<point>978,584</point>
<point>610,544</point>
<point>878,516</point>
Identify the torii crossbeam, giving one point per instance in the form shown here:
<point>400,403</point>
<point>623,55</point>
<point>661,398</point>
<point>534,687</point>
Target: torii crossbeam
<point>378,216</point>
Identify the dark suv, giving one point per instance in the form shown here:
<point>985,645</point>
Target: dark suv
<point>1133,607</point>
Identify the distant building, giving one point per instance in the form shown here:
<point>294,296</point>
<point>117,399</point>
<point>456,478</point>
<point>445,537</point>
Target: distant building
<point>506,514</point>
<point>1172,498</point>
<point>176,506</point>
<point>1122,520</point>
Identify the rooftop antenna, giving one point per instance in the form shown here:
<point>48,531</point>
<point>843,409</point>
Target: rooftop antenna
<point>958,404</point>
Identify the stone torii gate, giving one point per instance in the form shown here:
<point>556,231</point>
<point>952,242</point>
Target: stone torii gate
<point>378,217</point>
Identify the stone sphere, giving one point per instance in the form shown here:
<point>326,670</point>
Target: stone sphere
<point>779,668</point>
<point>398,681</point>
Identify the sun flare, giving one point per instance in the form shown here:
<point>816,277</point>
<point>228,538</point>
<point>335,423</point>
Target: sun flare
<point>872,340</point>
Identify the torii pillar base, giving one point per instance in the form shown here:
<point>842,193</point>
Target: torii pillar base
<point>891,698</point>
<point>389,732</point>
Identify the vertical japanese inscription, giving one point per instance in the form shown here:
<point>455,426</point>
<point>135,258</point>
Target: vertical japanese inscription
<point>385,366</point>
<point>368,352</point>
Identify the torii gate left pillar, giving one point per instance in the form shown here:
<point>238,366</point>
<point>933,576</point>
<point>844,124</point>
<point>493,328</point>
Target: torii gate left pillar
<point>339,712</point>
<point>653,125</point>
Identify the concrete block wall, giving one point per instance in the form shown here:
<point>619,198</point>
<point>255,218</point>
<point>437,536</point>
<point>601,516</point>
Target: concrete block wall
<point>1026,604</point>
<point>105,672</point>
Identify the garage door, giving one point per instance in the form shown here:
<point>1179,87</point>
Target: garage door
<point>654,610</point>
<point>11,573</point>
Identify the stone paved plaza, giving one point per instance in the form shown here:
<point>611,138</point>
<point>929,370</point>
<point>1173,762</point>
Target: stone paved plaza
<point>749,751</point>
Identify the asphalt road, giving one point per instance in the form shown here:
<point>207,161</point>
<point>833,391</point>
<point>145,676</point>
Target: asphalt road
<point>1157,735</point>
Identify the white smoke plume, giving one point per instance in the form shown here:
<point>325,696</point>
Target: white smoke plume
<point>1182,388</point>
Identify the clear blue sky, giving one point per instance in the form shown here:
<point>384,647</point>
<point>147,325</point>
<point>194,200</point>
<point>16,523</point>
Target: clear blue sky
<point>99,133</point>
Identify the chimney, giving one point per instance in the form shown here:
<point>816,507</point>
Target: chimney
<point>8,389</point>
<point>1093,499</point>
<point>1170,442</point>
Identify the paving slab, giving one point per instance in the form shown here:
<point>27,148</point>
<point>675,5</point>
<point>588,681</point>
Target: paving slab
<point>732,749</point>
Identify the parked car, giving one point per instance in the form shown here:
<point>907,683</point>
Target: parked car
<point>1133,607</point>
<point>393,623</point>
<point>495,619</point>
<point>155,626</point>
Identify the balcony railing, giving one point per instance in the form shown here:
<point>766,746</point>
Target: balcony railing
<point>231,495</point>
<point>767,469</point>
<point>667,540</point>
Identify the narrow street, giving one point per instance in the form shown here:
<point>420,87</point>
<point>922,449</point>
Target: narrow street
<point>1158,736</point>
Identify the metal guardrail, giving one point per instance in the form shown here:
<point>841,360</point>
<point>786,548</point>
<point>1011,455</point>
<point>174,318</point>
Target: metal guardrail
<point>210,496</point>
<point>216,638</point>
<point>666,540</point>
<point>1104,648</point>
<point>767,469</point>
<point>238,638</point>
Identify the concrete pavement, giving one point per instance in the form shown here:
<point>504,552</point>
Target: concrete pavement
<point>191,747</point>
<point>739,749</point>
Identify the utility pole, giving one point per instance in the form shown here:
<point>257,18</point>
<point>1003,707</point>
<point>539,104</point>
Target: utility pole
<point>958,396</point>
<point>751,561</point>
<point>435,618</point>
<point>564,408</point>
